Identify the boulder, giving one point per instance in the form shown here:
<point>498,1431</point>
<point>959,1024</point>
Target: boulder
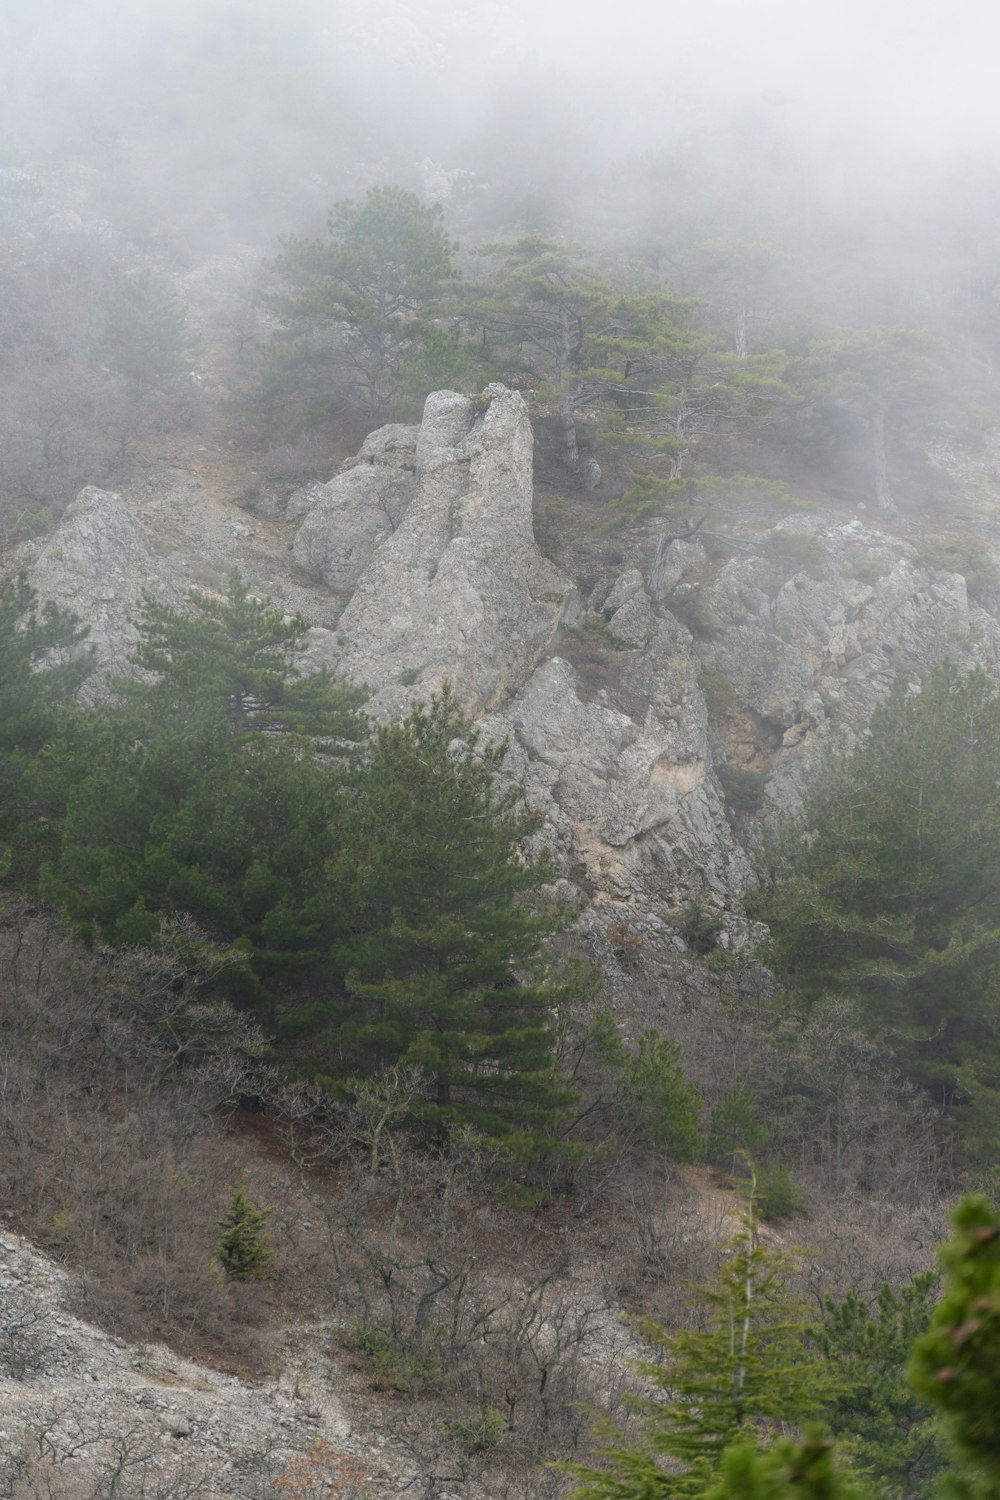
<point>98,564</point>
<point>458,591</point>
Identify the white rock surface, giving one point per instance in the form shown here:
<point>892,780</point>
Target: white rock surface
<point>459,592</point>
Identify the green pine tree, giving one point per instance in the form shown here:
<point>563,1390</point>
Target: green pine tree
<point>43,662</point>
<point>447,963</point>
<point>956,1363</point>
<point>236,656</point>
<point>885,891</point>
<point>749,1368</point>
<point>887,1430</point>
<point>807,1470</point>
<point>142,336</point>
<point>214,789</point>
<point>244,1250</point>
<point>376,283</point>
<point>41,666</point>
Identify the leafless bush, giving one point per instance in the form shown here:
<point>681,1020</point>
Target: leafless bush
<point>512,1349</point>
<point>71,1454</point>
<point>25,1334</point>
<point>114,1076</point>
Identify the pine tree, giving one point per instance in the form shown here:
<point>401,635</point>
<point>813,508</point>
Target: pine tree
<point>885,891</point>
<point>447,959</point>
<point>750,1367</point>
<point>236,656</point>
<point>807,1470</point>
<point>956,1363</point>
<point>142,335</point>
<point>214,790</point>
<point>43,662</point>
<point>377,281</point>
<point>887,1430</point>
<point>244,1251</point>
<point>41,666</point>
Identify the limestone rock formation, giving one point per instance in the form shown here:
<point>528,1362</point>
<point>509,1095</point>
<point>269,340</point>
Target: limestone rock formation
<point>622,766</point>
<point>98,564</point>
<point>630,725</point>
<point>459,591</point>
<point>347,519</point>
<point>810,651</point>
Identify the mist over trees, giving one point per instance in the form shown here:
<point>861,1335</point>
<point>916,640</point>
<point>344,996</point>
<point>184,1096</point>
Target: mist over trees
<point>731,269</point>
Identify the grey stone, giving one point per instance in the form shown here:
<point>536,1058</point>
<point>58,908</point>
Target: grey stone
<point>348,519</point>
<point>98,564</point>
<point>459,591</point>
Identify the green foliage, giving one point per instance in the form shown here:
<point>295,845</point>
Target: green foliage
<point>700,928</point>
<point>234,657</point>
<point>865,390</point>
<point>244,1251</point>
<point>142,335</point>
<point>735,1129</point>
<point>885,891</point>
<point>965,555</point>
<point>400,1364</point>
<point>43,661</point>
<point>653,1105</point>
<point>797,551</point>
<point>743,789</point>
<point>41,667</point>
<point>749,1368</point>
<point>377,282</point>
<point>200,791</point>
<point>956,1363</point>
<point>779,1197</point>
<point>446,957</point>
<point>650,496</point>
<point>481,1433</point>
<point>720,695</point>
<point>807,1470</point>
<point>886,1429</point>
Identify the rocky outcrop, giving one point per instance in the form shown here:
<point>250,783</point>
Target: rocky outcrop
<point>813,627</point>
<point>629,795</point>
<point>629,722</point>
<point>98,565</point>
<point>106,1406</point>
<point>459,591</point>
<point>349,518</point>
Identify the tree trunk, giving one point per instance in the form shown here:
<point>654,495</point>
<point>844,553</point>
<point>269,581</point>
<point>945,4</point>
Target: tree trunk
<point>880,469</point>
<point>566,408</point>
<point>742,340</point>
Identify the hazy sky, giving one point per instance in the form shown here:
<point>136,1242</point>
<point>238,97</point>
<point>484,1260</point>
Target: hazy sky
<point>868,80</point>
<point>912,69</point>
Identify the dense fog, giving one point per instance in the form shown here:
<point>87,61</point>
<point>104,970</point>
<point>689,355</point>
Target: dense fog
<point>254,114</point>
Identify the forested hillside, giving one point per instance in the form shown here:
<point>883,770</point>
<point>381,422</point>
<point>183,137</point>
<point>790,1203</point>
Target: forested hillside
<point>499,681</point>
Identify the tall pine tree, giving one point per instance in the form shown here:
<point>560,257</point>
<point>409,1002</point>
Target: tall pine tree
<point>749,1368</point>
<point>447,965</point>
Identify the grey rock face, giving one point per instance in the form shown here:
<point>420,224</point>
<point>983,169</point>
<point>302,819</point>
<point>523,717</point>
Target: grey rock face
<point>459,590</point>
<point>348,519</point>
<point>814,653</point>
<point>797,636</point>
<point>98,564</point>
<point>627,785</point>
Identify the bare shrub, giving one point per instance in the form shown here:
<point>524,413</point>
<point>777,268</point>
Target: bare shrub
<point>452,1297</point>
<point>115,1075</point>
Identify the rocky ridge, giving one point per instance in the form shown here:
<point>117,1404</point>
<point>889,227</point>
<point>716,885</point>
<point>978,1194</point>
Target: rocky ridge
<point>100,1406</point>
<point>624,711</point>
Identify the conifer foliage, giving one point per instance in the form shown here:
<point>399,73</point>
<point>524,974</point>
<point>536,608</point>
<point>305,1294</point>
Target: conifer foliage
<point>956,1363</point>
<point>446,960</point>
<point>749,1367</point>
<point>885,891</point>
<point>244,1251</point>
